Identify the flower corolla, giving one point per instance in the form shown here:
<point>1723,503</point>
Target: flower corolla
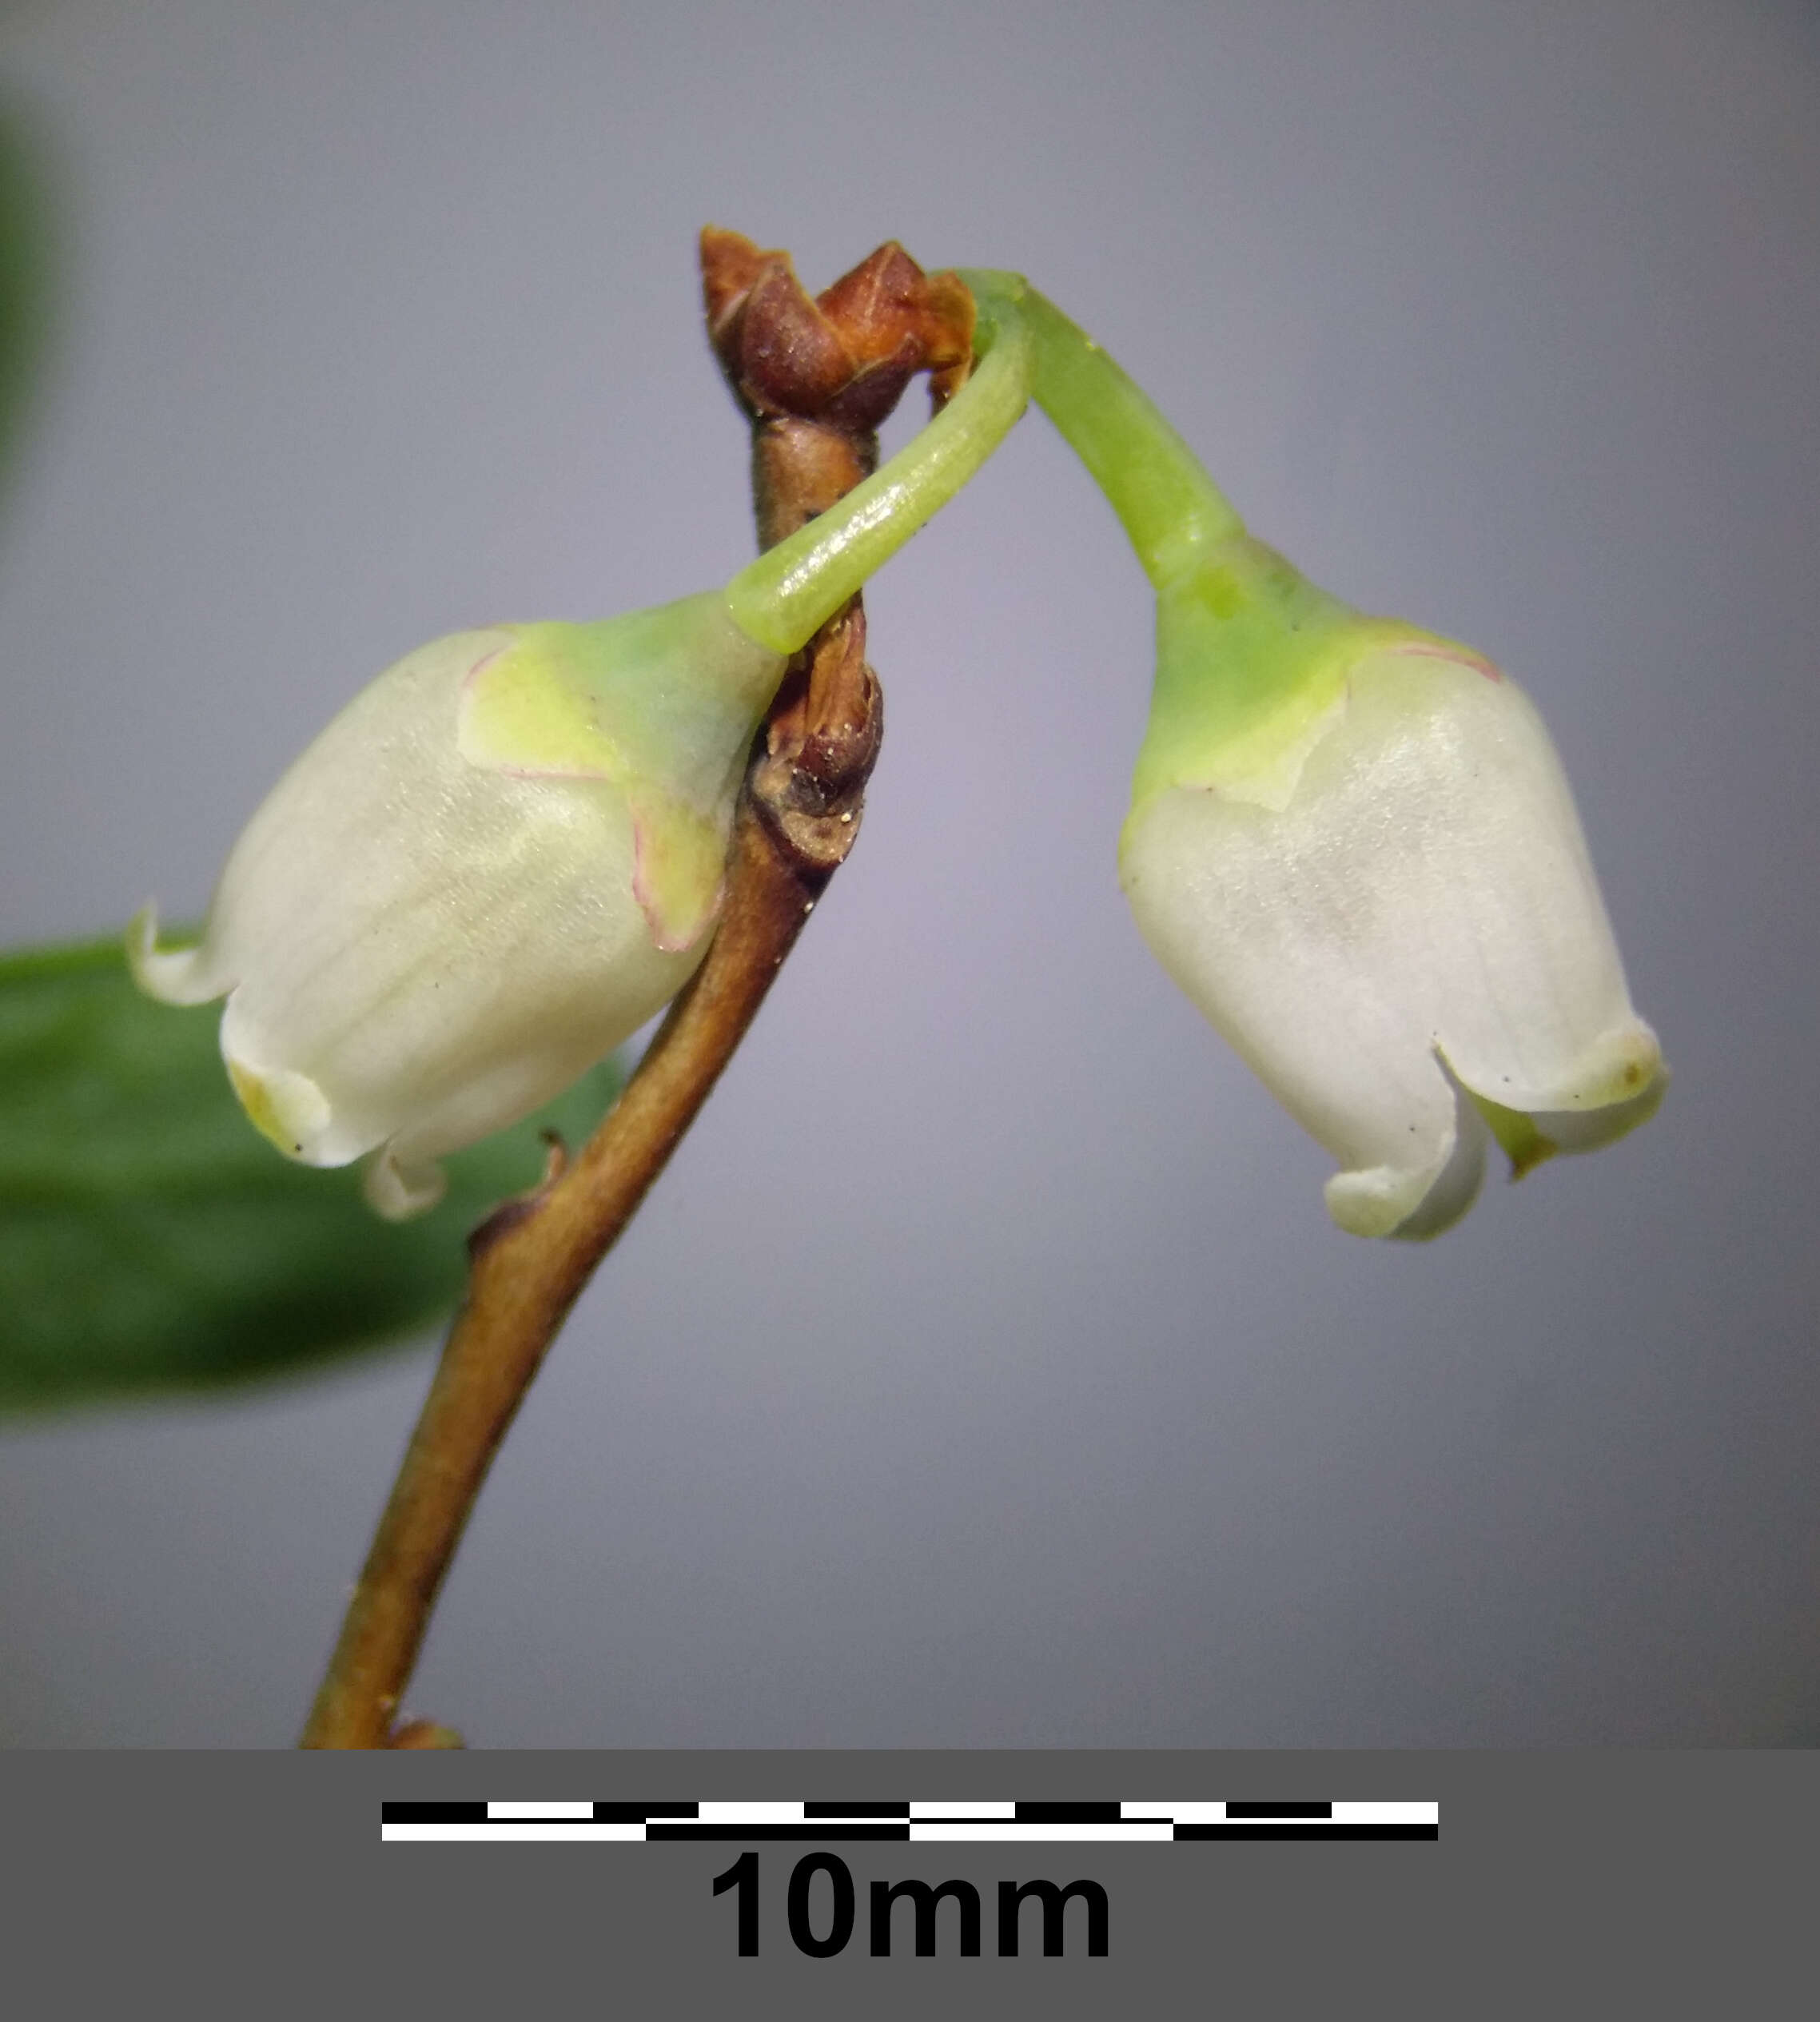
<point>498,860</point>
<point>1352,844</point>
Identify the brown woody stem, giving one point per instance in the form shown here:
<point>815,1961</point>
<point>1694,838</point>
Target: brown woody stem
<point>815,378</point>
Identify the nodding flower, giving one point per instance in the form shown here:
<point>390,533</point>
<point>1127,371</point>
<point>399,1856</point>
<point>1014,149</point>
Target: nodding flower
<point>1369,876</point>
<point>507,853</point>
<point>1350,842</point>
<point>494,866</point>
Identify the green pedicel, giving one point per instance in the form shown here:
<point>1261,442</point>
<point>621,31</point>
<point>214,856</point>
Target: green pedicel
<point>782,598</point>
<point>1251,656</point>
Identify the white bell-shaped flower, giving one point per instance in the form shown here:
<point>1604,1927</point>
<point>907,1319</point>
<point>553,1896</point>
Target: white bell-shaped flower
<point>1350,842</point>
<point>494,866</point>
<point>507,853</point>
<point>1360,858</point>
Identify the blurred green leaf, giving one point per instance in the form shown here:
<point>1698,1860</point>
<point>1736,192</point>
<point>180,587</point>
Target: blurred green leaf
<point>150,1239</point>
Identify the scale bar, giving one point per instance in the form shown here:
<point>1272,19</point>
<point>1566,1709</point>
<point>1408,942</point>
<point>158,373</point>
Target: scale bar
<point>828,1821</point>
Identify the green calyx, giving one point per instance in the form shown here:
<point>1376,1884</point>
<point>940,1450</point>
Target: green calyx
<point>1251,656</point>
<point>665,696</point>
<point>661,704</point>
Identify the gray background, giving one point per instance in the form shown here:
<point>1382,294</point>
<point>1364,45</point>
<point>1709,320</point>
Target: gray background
<point>1028,1397</point>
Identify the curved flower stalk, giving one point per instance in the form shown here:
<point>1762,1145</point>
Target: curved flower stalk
<point>1351,843</point>
<point>507,853</point>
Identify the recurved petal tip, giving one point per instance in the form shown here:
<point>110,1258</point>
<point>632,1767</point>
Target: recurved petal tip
<point>1616,1085</point>
<point>1592,1130</point>
<point>1415,1202</point>
<point>173,976</point>
<point>398,1187</point>
<point>288,1109</point>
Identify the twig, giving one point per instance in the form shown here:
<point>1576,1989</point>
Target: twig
<point>815,378</point>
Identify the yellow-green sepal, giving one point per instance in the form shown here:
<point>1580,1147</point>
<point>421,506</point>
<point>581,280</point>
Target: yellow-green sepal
<point>661,704</point>
<point>1519,1136</point>
<point>1253,660</point>
<point>679,865</point>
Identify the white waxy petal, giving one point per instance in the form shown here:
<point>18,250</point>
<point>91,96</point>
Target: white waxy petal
<point>289,1107</point>
<point>172,975</point>
<point>420,947</point>
<point>1420,912</point>
<point>1415,1201</point>
<point>398,1192</point>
